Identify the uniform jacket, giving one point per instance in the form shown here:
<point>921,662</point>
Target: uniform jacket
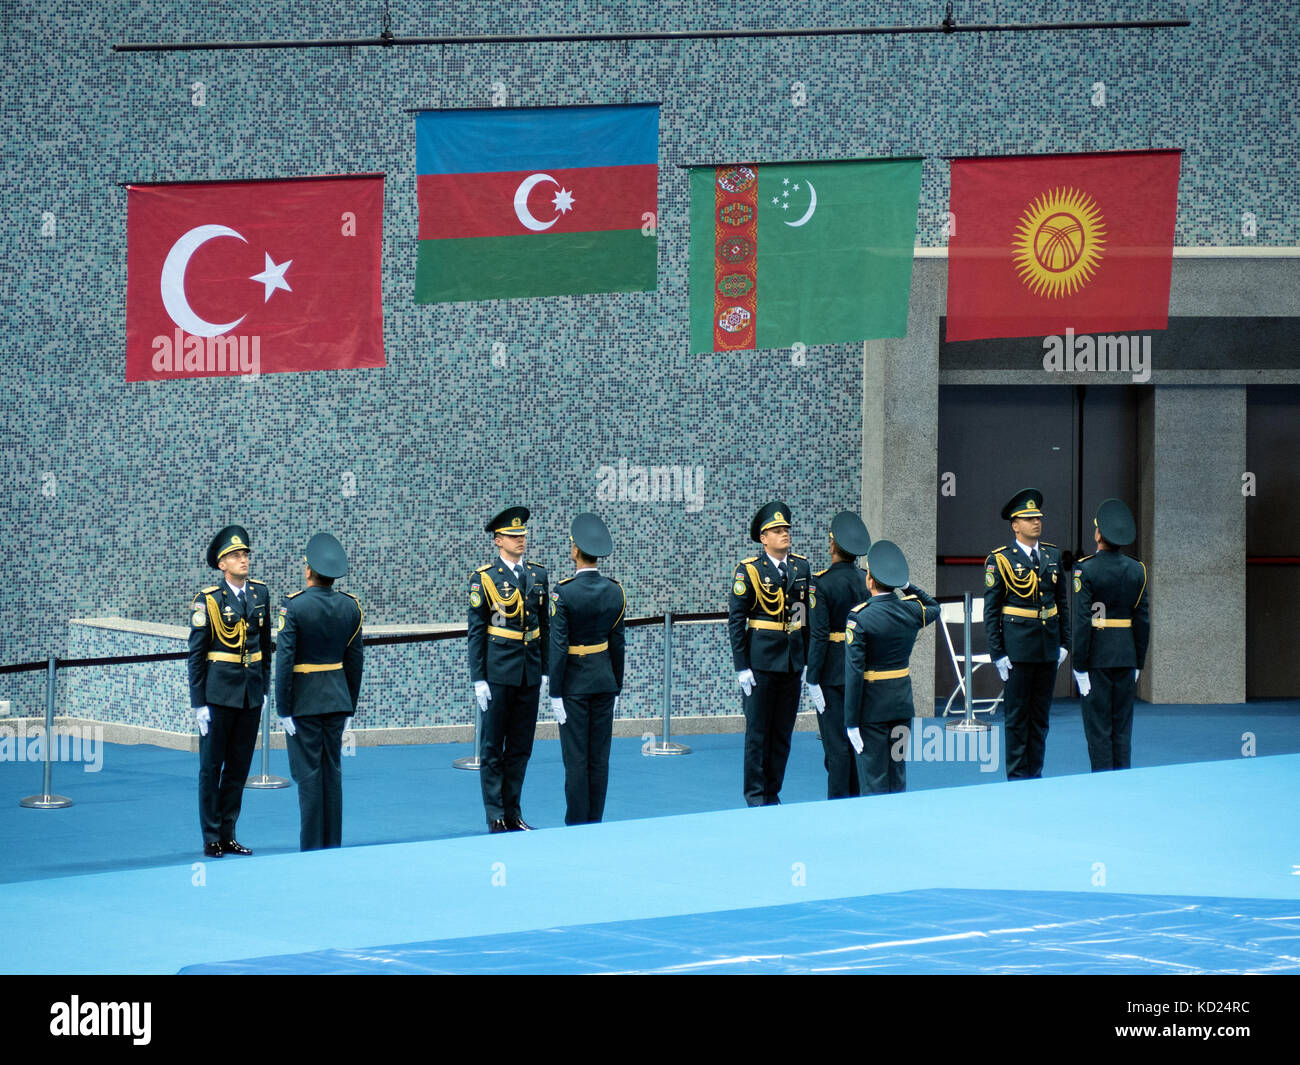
<point>834,592</point>
<point>221,627</point>
<point>318,627</point>
<point>1119,584</point>
<point>508,626</point>
<point>769,625</point>
<point>587,611</point>
<point>1015,599</point>
<point>879,636</point>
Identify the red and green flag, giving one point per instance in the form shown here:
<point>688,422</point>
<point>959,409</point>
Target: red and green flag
<point>550,201</point>
<point>812,253</point>
<point>1046,243</point>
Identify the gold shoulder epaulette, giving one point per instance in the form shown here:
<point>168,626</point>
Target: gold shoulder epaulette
<point>291,595</point>
<point>804,557</point>
<point>859,606</point>
<point>905,598</point>
<point>254,580</point>
<point>565,581</point>
<point>209,591</point>
<point>743,561</point>
<point>1046,543</point>
<point>537,565</point>
<point>1083,559</point>
<point>484,569</point>
<point>997,549</point>
<point>822,572</point>
<point>352,597</point>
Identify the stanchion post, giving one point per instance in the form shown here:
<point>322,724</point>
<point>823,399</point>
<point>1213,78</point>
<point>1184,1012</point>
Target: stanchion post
<point>968,722</point>
<point>264,779</point>
<point>472,761</point>
<point>665,745</point>
<point>47,800</point>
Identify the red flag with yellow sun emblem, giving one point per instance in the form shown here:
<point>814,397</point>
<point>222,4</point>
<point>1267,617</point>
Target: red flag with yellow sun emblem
<point>1041,244</point>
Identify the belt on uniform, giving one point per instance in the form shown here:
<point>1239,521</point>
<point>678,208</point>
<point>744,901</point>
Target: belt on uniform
<point>225,656</point>
<point>778,626</point>
<point>515,634</point>
<point>1112,623</point>
<point>1021,612</point>
<point>317,667</point>
<point>873,675</point>
<point>588,648</point>
<point>836,637</point>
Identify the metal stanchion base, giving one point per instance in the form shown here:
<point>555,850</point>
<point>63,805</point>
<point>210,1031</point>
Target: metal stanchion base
<point>668,748</point>
<point>964,726</point>
<point>470,761</point>
<point>45,802</point>
<point>266,782</point>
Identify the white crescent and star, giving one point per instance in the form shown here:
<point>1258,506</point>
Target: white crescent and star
<point>172,281</point>
<point>783,201</point>
<point>562,202</point>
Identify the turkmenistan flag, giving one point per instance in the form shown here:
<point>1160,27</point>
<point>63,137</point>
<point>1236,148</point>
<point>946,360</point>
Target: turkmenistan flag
<point>543,201</point>
<point>818,253</point>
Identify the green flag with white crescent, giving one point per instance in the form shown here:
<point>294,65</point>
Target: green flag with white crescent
<point>811,253</point>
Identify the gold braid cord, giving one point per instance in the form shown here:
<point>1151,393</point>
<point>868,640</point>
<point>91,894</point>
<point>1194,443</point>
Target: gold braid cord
<point>1026,587</point>
<point>512,606</point>
<point>232,636</point>
<point>771,602</point>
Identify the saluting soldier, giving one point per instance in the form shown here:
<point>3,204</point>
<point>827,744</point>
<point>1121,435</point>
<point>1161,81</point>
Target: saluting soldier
<point>768,626</point>
<point>878,641</point>
<point>1028,630</point>
<point>230,674</point>
<point>1112,629</point>
<point>586,654</point>
<point>835,591</point>
<point>318,663</point>
<point>507,663</point>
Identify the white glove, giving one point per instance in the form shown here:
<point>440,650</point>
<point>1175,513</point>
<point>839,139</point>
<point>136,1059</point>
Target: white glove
<point>203,716</point>
<point>614,711</point>
<point>545,688</point>
<point>746,681</point>
<point>1003,666</point>
<point>855,738</point>
<point>1061,657</point>
<point>483,694</point>
<point>1136,674</point>
<point>1083,681</point>
<point>818,699</point>
<point>264,704</point>
<point>347,724</point>
<point>289,727</point>
<point>557,709</point>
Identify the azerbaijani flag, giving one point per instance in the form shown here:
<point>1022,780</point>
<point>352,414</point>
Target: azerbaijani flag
<point>1046,243</point>
<point>812,253</point>
<point>545,201</point>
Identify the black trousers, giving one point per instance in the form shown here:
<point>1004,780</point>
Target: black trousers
<point>1108,718</point>
<point>840,758</point>
<point>1027,696</point>
<point>225,754</point>
<point>506,742</point>
<point>585,739</point>
<point>879,772</point>
<point>315,754</point>
<point>770,711</point>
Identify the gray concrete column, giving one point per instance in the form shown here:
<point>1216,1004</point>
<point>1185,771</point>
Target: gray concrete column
<point>900,449</point>
<point>1193,540</point>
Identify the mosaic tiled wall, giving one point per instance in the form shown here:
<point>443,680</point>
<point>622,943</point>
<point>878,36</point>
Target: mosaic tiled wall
<point>113,489</point>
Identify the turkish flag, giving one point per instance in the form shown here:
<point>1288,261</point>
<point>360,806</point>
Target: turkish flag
<point>1046,243</point>
<point>235,277</point>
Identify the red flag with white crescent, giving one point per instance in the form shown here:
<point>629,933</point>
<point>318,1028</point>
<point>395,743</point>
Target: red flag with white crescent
<point>235,277</point>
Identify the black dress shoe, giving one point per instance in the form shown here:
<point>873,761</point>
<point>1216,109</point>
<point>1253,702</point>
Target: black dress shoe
<point>232,846</point>
<point>497,826</point>
<point>212,850</point>
<point>518,824</point>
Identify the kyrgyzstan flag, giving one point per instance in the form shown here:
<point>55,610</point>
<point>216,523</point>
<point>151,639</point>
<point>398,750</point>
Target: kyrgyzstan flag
<point>1046,243</point>
<point>247,277</point>
<point>811,253</point>
<point>536,202</point>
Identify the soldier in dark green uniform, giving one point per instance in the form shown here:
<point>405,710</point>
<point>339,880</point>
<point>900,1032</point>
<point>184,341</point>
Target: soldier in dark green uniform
<point>586,654</point>
<point>1028,630</point>
<point>835,591</point>
<point>768,625</point>
<point>1112,628</point>
<point>878,640</point>
<point>507,663</point>
<point>230,674</point>
<point>318,661</point>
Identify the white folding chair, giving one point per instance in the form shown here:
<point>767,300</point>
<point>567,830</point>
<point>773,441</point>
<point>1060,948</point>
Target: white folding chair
<point>954,614</point>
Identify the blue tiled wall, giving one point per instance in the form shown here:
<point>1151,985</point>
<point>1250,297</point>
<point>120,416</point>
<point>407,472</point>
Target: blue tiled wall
<point>114,489</point>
